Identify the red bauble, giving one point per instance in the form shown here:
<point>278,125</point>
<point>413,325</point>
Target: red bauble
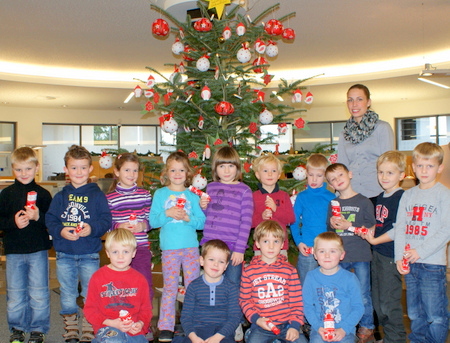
<point>257,62</point>
<point>274,27</point>
<point>160,27</point>
<point>203,25</point>
<point>288,34</point>
<point>224,108</point>
<point>187,51</point>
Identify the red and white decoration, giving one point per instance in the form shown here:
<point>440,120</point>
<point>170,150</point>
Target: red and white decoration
<point>203,25</point>
<point>309,98</point>
<point>207,152</point>
<point>205,93</point>
<point>282,128</point>
<point>288,34</point>
<point>226,33</point>
<point>244,55</point>
<point>105,161</point>
<point>201,122</point>
<point>272,49</point>
<point>274,27</point>
<point>203,63</point>
<point>299,123</point>
<point>160,27</point>
<point>177,47</point>
<point>257,62</point>
<point>240,29</point>
<point>265,117</point>
<point>299,173</point>
<point>137,91</point>
<point>168,123</point>
<point>260,46</point>
<point>150,81</point>
<point>199,181</point>
<point>224,108</point>
<point>297,96</point>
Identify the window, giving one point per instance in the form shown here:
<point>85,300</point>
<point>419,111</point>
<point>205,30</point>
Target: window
<point>412,131</point>
<point>318,133</point>
<point>7,146</point>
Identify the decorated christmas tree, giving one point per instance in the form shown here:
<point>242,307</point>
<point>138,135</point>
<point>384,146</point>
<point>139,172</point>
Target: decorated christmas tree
<point>218,93</point>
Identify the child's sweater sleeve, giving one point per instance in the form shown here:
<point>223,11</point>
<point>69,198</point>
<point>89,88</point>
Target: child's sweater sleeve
<point>101,222</point>
<point>295,301</point>
<point>285,212</point>
<point>245,298</point>
<point>350,320</point>
<point>295,228</point>
<point>158,216</point>
<point>52,217</point>
<point>246,221</point>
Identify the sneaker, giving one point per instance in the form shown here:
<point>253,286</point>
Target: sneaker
<point>149,336</point>
<point>36,337</point>
<point>17,336</point>
<point>365,335</point>
<point>165,336</point>
<point>239,334</point>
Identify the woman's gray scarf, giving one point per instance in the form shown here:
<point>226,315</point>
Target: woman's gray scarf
<point>355,132</point>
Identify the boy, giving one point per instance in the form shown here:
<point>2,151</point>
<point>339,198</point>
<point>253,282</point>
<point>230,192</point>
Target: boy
<point>356,211</point>
<point>270,290</point>
<point>269,201</point>
<point>333,290</point>
<point>77,219</point>
<point>310,210</point>
<point>211,309</point>
<point>26,243</point>
<point>386,280</point>
<point>116,288</point>
<point>422,222</point>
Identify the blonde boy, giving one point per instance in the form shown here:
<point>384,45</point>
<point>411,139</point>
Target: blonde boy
<point>269,201</point>
<point>333,290</point>
<point>78,204</point>
<point>26,242</point>
<point>310,211</point>
<point>270,289</point>
<point>422,222</point>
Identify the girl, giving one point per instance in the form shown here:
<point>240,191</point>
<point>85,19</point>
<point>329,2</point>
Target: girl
<point>126,200</point>
<point>176,210</point>
<point>229,212</point>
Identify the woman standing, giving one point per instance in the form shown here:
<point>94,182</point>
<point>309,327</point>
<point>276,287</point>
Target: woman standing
<point>364,138</point>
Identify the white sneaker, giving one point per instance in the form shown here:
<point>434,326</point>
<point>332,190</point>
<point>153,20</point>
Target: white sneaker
<point>239,334</point>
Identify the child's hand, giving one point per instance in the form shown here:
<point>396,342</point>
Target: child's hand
<point>194,338</point>
<point>136,327</point>
<point>339,335</point>
<point>186,217</point>
<point>176,213</point>
<point>119,324</point>
<point>339,223</point>
<point>411,255</point>
<point>204,201</point>
<point>236,258</point>
<point>86,231</point>
<point>32,213</point>
<point>68,232</point>
<point>267,214</point>
<point>292,334</point>
<point>270,203</point>
<point>21,219</point>
<point>321,332</point>
<point>400,268</point>
<point>302,249</point>
<point>215,338</point>
<point>262,322</point>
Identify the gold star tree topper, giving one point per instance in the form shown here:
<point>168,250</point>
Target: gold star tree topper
<point>218,5</point>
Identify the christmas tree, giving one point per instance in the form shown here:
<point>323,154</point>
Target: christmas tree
<point>218,93</point>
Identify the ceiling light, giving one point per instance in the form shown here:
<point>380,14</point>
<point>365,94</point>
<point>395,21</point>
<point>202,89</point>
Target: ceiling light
<point>128,98</point>
<point>433,83</point>
<point>433,71</point>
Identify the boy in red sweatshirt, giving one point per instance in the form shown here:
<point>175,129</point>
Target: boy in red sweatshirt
<point>271,294</point>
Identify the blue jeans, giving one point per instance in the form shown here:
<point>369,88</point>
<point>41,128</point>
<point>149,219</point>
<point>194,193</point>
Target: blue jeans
<point>234,273</point>
<point>362,272</point>
<point>304,265</point>
<point>259,335</point>
<point>426,299</point>
<point>70,269</point>
<point>113,335</point>
<point>28,295</point>
<point>316,338</point>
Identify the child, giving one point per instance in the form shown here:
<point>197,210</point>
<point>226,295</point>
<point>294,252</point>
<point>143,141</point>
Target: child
<point>117,287</point>
<point>355,211</point>
<point>126,201</point>
<point>310,210</point>
<point>333,290</point>
<point>26,244</point>
<point>211,309</point>
<point>269,201</point>
<point>386,280</point>
<point>422,222</point>
<point>229,213</point>
<point>176,210</point>
<point>77,219</point>
<point>270,290</point>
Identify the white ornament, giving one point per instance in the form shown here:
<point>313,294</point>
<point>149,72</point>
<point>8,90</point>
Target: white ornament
<point>297,96</point>
<point>265,117</point>
<point>226,34</point>
<point>170,126</point>
<point>309,98</point>
<point>199,181</point>
<point>260,46</point>
<point>105,162</point>
<point>293,198</point>
<point>299,173</point>
<point>243,55</point>
<point>177,47</point>
<point>205,93</point>
<point>203,64</point>
<point>150,81</point>
<point>240,29</point>
<point>272,50</point>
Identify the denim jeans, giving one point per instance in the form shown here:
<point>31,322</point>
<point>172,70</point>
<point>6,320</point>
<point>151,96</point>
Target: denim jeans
<point>316,338</point>
<point>362,272</point>
<point>113,335</point>
<point>71,269</point>
<point>426,299</point>
<point>304,265</point>
<point>28,295</point>
<point>234,273</point>
<point>259,335</point>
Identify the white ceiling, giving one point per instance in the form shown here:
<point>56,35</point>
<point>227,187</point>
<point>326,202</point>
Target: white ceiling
<point>114,36</point>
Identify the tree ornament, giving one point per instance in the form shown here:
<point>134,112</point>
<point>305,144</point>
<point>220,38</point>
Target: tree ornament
<point>149,106</point>
<point>148,93</point>
<point>173,76</point>
<point>218,5</point>
<point>156,97</point>
<point>257,62</point>
<point>272,49</point>
<point>201,122</point>
<point>226,33</point>
<point>299,173</point>
<point>167,98</point>
<point>333,158</point>
<point>293,197</point>
<point>199,181</point>
<point>309,98</point>
<point>257,152</point>
<point>187,51</point>
<point>205,93</point>
<point>260,95</point>
<point>160,27</point>
<point>253,127</point>
<point>137,91</point>
<point>274,27</point>
<point>247,167</point>
<point>224,108</point>
<point>282,128</point>
<point>177,47</point>
<point>288,34</point>
<point>218,141</point>
<point>244,55</point>
<point>265,117</point>
<point>193,154</point>
<point>260,46</point>
<point>168,123</point>
<point>203,63</point>
<point>267,78</point>
<point>105,161</point>
<point>203,25</point>
<point>240,29</point>
<point>207,152</point>
<point>297,96</point>
<point>299,123</point>
<point>150,81</point>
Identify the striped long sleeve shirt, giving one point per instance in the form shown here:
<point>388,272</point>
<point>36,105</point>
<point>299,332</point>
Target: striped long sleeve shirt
<point>229,215</point>
<point>272,291</point>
